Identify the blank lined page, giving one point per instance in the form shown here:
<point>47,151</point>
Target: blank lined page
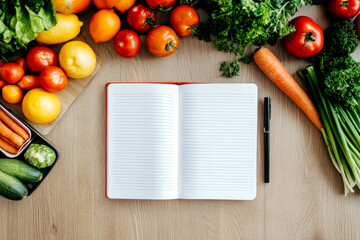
<point>217,153</point>
<point>142,141</point>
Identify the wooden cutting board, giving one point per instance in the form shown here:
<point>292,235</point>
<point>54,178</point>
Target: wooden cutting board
<point>66,96</point>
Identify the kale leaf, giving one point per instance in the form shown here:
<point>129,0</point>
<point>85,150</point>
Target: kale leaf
<point>234,25</point>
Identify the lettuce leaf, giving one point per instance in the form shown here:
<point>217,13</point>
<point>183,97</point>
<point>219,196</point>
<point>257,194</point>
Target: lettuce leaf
<point>22,20</point>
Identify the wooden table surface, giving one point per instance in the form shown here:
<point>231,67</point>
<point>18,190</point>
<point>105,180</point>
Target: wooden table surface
<point>304,199</point>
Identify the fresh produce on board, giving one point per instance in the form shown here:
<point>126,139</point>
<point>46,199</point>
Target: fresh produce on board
<point>344,9</point>
<point>67,28</point>
<point>40,106</point>
<point>104,25</point>
<point>184,19</point>
<point>77,59</point>
<point>127,43</point>
<point>307,40</point>
<point>162,41</point>
<point>40,155</point>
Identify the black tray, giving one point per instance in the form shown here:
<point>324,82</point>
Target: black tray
<point>35,138</point>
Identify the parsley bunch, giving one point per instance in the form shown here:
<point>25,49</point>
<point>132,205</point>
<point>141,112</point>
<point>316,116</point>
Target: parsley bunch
<point>234,25</point>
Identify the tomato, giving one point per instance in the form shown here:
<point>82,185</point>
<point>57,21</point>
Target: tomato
<point>344,8</point>
<point>160,3</point>
<point>183,19</point>
<point>22,63</point>
<point>162,41</point>
<point>11,72</point>
<point>127,43</point>
<point>307,40</point>
<point>53,79</point>
<point>29,82</point>
<point>2,83</point>
<point>141,18</point>
<point>40,57</point>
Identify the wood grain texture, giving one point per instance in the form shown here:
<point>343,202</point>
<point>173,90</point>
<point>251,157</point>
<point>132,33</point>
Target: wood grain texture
<point>304,199</point>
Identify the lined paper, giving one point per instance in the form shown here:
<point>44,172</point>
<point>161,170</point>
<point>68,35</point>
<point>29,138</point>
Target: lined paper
<point>142,141</point>
<point>217,146</point>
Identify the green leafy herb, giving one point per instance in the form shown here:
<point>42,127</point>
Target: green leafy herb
<point>22,20</point>
<point>236,24</point>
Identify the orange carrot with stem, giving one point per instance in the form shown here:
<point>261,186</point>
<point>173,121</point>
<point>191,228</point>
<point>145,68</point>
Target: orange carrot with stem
<point>13,137</point>
<point>277,73</point>
<point>13,125</point>
<point>7,147</point>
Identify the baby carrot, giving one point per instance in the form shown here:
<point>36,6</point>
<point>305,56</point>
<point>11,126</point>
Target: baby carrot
<point>277,73</point>
<point>8,141</point>
<point>13,125</point>
<point>7,147</point>
<point>13,137</point>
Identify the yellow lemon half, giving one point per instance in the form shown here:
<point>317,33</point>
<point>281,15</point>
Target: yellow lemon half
<point>77,59</point>
<point>67,28</point>
<point>40,106</point>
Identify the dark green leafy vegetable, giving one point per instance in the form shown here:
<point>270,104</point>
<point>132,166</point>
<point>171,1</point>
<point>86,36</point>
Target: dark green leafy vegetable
<point>340,72</point>
<point>22,20</point>
<point>236,24</point>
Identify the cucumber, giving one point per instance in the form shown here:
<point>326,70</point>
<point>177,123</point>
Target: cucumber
<point>20,170</point>
<point>12,188</point>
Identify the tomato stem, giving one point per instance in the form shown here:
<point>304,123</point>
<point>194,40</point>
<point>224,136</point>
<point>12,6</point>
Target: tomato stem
<point>164,8</point>
<point>149,20</point>
<point>344,4</point>
<point>193,29</point>
<point>170,45</point>
<point>308,37</point>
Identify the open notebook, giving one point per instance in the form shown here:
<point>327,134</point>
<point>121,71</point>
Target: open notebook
<point>191,141</point>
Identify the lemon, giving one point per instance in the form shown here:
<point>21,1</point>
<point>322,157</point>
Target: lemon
<point>40,106</point>
<point>67,28</point>
<point>77,59</point>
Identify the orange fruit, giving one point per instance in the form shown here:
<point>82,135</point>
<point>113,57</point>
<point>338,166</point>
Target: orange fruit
<point>104,25</point>
<point>71,6</point>
<point>12,94</point>
<point>125,5</point>
<point>100,4</point>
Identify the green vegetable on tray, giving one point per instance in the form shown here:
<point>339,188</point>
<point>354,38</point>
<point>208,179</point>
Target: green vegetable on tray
<point>39,155</point>
<point>235,25</point>
<point>22,20</point>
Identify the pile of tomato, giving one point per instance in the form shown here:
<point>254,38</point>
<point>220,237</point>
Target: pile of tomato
<point>39,69</point>
<point>161,40</point>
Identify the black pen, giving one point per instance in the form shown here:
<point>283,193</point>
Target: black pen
<point>267,116</point>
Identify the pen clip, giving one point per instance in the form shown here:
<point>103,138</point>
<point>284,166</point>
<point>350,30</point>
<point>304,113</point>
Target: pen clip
<point>267,113</point>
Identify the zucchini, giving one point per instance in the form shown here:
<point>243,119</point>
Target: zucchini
<point>11,187</point>
<point>20,170</point>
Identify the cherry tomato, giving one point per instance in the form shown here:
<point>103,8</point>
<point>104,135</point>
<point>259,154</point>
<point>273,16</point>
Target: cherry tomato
<point>2,83</point>
<point>22,63</point>
<point>183,19</point>
<point>53,79</point>
<point>40,57</point>
<point>29,82</point>
<point>11,72</point>
<point>162,41</point>
<point>307,40</point>
<point>160,3</point>
<point>127,43</point>
<point>344,8</point>
<point>141,18</point>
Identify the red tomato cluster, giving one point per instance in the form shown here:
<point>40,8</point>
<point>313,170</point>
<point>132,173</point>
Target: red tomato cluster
<point>39,69</point>
<point>161,40</point>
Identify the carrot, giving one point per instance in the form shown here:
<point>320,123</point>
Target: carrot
<point>277,73</point>
<point>13,137</point>
<point>8,141</point>
<point>7,147</point>
<point>13,125</point>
